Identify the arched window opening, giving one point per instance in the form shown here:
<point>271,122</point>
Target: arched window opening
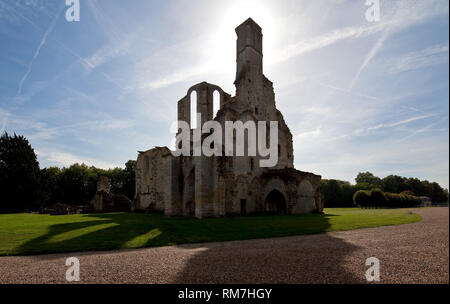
<point>193,110</point>
<point>216,103</point>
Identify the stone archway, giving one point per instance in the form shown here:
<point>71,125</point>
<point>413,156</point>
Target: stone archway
<point>275,203</point>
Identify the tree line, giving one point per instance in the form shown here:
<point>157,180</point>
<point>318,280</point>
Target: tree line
<point>337,193</point>
<point>24,186</point>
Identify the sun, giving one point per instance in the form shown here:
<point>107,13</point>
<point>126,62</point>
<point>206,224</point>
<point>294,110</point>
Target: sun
<point>221,48</point>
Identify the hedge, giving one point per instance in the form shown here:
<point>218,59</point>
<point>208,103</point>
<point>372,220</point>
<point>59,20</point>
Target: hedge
<point>379,199</point>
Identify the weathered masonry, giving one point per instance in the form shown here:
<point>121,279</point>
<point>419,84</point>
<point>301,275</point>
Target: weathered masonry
<point>200,186</point>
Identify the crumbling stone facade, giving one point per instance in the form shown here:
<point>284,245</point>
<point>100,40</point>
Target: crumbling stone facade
<point>216,186</point>
<point>105,201</point>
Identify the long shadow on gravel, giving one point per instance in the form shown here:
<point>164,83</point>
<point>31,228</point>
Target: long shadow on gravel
<point>293,260</point>
<point>272,254</point>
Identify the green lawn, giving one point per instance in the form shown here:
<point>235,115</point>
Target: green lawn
<point>35,234</point>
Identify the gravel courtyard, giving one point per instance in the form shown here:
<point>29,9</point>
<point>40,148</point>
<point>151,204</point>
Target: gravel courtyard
<point>410,253</point>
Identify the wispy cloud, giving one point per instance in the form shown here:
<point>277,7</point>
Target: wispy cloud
<point>321,41</point>
<point>106,23</point>
<point>373,51</point>
<point>347,91</point>
<point>401,14</point>
<point>308,134</point>
<point>38,130</point>
<point>66,159</point>
<point>393,124</point>
<point>178,76</point>
<point>433,55</point>
<point>426,128</point>
<point>36,54</point>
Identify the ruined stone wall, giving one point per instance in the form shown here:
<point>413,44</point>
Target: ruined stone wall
<point>300,189</point>
<point>229,185</point>
<point>150,179</point>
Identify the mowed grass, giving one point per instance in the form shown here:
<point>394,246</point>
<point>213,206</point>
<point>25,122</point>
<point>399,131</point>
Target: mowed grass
<point>22,234</point>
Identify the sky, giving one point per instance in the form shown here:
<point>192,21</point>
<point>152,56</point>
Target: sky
<point>358,95</point>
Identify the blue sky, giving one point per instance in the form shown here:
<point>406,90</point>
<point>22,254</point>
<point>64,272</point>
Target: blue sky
<point>357,95</point>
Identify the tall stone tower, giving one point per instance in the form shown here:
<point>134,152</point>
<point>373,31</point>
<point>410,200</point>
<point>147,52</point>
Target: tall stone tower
<point>254,92</point>
<point>249,56</point>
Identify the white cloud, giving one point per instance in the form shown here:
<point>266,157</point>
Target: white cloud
<point>400,15</point>
<point>433,55</point>
<point>67,159</point>
<point>36,54</point>
<point>393,124</point>
<point>321,41</point>
<point>179,76</point>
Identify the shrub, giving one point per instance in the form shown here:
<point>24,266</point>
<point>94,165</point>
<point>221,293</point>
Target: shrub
<point>379,199</point>
<point>408,192</point>
<point>362,198</point>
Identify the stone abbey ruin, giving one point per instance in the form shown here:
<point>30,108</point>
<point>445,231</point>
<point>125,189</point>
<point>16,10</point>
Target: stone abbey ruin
<point>217,186</point>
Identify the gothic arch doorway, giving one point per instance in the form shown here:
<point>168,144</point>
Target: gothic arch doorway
<point>275,203</point>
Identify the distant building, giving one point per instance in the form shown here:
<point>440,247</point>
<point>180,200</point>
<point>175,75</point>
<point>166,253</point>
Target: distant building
<point>426,201</point>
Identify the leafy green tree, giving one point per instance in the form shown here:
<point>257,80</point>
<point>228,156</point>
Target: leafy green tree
<point>129,179</point>
<point>77,184</point>
<point>347,194</point>
<point>408,192</point>
<point>364,186</point>
<point>19,174</point>
<point>337,193</point>
<point>438,193</point>
<point>416,186</point>
<point>369,178</point>
<point>394,184</point>
<point>331,191</point>
<point>48,186</point>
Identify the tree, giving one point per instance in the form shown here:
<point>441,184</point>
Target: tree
<point>394,184</point>
<point>369,178</point>
<point>331,192</point>
<point>77,184</point>
<point>416,186</point>
<point>363,186</point>
<point>48,186</point>
<point>19,174</point>
<point>337,193</point>
<point>439,195</point>
<point>347,194</point>
<point>129,179</point>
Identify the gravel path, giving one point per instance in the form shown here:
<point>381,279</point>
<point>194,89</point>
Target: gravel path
<point>410,253</point>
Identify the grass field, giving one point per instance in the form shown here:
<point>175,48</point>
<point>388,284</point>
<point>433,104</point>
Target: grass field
<point>36,234</point>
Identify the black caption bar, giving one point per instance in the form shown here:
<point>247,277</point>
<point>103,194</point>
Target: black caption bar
<point>235,293</point>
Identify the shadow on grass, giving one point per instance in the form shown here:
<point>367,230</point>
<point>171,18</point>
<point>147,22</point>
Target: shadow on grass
<point>311,259</point>
<point>130,230</point>
<point>106,232</point>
